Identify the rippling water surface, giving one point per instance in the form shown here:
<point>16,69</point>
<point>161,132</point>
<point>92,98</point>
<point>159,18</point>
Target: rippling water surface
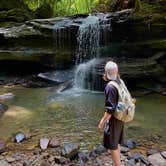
<point>73,115</point>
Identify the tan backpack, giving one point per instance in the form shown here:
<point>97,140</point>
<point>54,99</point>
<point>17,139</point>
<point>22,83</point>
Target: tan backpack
<point>125,109</point>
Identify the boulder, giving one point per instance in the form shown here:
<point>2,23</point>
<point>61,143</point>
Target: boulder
<point>70,150</point>
<point>157,159</point>
<point>60,76</point>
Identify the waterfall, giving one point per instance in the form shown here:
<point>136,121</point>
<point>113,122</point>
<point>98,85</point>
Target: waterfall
<point>92,31</point>
<point>88,39</point>
<point>82,74</point>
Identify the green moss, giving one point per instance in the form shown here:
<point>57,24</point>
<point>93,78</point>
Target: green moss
<point>150,12</point>
<point>160,45</point>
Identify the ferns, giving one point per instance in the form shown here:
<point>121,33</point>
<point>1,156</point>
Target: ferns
<point>65,7</point>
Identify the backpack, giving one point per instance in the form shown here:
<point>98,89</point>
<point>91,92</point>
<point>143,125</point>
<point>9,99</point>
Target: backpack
<point>125,109</point>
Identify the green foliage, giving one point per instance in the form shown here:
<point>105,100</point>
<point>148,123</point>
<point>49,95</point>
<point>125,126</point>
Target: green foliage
<point>65,7</point>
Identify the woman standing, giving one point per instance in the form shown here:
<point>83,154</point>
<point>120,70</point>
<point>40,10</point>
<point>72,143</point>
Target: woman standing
<point>116,127</point>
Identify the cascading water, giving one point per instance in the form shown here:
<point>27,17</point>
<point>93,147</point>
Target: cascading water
<point>88,39</point>
<point>82,77</point>
<point>91,33</point>
<point>88,48</point>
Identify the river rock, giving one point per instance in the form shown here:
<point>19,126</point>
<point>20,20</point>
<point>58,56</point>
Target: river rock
<point>60,160</point>
<point>129,144</point>
<point>70,150</point>
<point>54,142</point>
<point>37,151</point>
<point>20,137</point>
<point>6,96</point>
<point>83,156</point>
<point>152,151</point>
<point>137,157</point>
<point>4,163</point>
<point>57,76</point>
<point>100,149</point>
<point>44,143</point>
<point>2,146</point>
<point>163,154</point>
<point>157,160</point>
<point>124,149</point>
<point>10,159</point>
<point>130,162</point>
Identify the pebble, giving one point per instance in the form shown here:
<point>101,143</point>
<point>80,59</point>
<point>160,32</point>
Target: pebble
<point>54,142</point>
<point>124,149</point>
<point>45,155</point>
<point>10,159</point>
<point>60,160</point>
<point>37,152</point>
<point>20,137</point>
<point>44,143</point>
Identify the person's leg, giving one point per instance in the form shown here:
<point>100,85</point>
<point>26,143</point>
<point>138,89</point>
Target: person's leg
<point>116,156</point>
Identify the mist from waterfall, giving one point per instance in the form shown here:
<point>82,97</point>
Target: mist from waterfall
<point>82,74</point>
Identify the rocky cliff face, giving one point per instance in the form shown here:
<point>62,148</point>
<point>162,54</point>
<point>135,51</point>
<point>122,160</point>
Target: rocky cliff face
<point>137,45</point>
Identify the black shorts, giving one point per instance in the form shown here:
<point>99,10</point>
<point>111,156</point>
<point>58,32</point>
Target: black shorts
<point>114,134</point>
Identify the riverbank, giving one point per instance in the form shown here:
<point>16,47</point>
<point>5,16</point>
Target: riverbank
<point>132,154</point>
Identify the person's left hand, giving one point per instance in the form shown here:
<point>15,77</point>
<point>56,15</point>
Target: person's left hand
<point>100,126</point>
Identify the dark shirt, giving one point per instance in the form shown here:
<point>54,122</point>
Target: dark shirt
<point>111,98</point>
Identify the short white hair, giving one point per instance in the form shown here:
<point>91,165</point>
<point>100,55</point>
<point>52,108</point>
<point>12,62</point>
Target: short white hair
<point>111,69</point>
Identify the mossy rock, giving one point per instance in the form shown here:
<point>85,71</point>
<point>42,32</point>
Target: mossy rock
<point>19,15</point>
<point>151,12</point>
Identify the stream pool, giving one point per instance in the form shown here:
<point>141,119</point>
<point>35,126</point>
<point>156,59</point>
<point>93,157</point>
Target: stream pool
<point>73,115</point>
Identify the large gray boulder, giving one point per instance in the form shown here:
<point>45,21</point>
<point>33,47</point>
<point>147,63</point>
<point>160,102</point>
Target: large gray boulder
<point>157,160</point>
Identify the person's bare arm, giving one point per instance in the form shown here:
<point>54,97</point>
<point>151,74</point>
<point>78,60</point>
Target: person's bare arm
<point>104,120</point>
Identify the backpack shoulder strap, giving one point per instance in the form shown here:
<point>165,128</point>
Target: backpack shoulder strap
<point>116,85</point>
